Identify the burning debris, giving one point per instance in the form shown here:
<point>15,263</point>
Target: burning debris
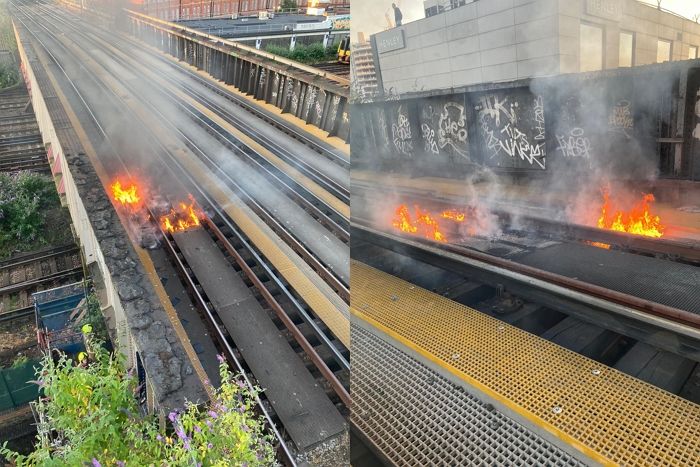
<point>185,217</point>
<point>637,221</point>
<point>128,196</point>
<point>141,209</point>
<point>470,221</point>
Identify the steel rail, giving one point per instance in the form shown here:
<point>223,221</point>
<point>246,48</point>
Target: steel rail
<point>271,424</point>
<point>281,286</point>
<point>677,320</point>
<point>212,204</point>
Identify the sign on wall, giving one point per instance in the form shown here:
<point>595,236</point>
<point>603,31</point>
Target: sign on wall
<point>608,9</point>
<point>390,40</point>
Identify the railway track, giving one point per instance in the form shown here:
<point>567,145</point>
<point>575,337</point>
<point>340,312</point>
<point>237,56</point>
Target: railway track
<point>317,208</point>
<point>306,333</point>
<point>630,342</point>
<point>20,277</point>
<point>335,68</point>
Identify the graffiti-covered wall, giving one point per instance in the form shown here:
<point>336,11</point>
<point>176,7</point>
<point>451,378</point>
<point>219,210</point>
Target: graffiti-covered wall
<point>618,121</point>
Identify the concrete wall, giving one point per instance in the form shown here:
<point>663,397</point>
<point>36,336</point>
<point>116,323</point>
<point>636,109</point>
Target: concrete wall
<point>495,40</point>
<point>647,23</point>
<point>124,290</point>
<point>502,40</point>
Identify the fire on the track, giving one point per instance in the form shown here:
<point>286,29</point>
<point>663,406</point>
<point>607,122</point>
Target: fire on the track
<point>637,220</point>
<point>137,202</point>
<point>185,217</point>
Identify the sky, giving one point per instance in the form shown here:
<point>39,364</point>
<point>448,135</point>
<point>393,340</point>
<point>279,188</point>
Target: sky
<point>368,15</point>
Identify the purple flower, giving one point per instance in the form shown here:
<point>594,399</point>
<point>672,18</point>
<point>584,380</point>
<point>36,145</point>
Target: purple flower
<point>96,463</point>
<point>159,438</point>
<point>121,464</point>
<point>187,445</point>
<point>197,429</point>
<point>220,358</point>
<point>213,414</point>
<point>172,416</point>
<point>208,422</point>
<point>209,445</point>
<point>181,434</point>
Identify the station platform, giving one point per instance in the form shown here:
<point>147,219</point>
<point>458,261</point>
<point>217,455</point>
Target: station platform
<point>681,214</point>
<point>592,412</point>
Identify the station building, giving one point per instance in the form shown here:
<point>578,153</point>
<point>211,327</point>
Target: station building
<point>460,43</point>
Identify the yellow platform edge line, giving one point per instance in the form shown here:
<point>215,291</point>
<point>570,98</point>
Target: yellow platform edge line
<point>566,438</point>
<point>367,287</point>
<point>233,206</point>
<point>143,256</point>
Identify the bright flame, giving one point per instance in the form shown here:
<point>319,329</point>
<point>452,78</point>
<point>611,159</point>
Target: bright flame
<point>183,218</point>
<point>125,196</point>
<point>424,222</point>
<point>638,221</point>
<point>453,214</point>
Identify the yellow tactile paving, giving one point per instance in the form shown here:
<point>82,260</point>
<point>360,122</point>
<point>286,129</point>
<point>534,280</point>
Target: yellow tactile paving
<point>143,255</point>
<point>610,417</point>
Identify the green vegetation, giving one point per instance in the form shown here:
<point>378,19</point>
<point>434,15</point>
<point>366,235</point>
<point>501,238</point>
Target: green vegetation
<point>312,53</point>
<point>20,361</point>
<point>28,205</point>
<point>94,319</point>
<point>95,420</point>
<point>288,5</point>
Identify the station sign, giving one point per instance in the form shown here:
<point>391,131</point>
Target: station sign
<point>608,9</point>
<point>390,40</point>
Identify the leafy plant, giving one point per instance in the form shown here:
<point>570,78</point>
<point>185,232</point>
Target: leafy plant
<point>95,419</point>
<point>312,53</point>
<point>24,200</point>
<point>288,5</point>
<point>20,361</point>
<point>94,319</point>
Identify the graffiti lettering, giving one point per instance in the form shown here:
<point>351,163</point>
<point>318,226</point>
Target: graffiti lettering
<point>539,117</point>
<point>620,119</point>
<point>515,144</point>
<point>401,134</point>
<point>429,139</point>
<point>490,106</point>
<point>452,128</point>
<point>575,144</point>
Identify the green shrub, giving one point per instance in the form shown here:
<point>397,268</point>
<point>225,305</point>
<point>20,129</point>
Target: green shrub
<point>25,198</point>
<point>312,53</point>
<point>95,420</point>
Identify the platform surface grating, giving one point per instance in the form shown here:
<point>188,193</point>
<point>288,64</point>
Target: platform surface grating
<point>417,417</point>
<point>607,415</point>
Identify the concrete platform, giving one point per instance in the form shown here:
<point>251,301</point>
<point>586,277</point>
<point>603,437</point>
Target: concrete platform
<point>302,405</point>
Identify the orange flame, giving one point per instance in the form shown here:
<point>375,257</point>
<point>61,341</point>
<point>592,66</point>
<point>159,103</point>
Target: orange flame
<point>427,224</point>
<point>126,196</point>
<point>638,221</point>
<point>453,214</point>
<point>183,218</point>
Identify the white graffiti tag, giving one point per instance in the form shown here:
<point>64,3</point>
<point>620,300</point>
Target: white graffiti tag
<point>539,118</point>
<point>429,139</point>
<point>452,128</point>
<point>515,144</point>
<point>490,106</point>
<point>620,119</point>
<point>574,145</point>
<point>401,134</point>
